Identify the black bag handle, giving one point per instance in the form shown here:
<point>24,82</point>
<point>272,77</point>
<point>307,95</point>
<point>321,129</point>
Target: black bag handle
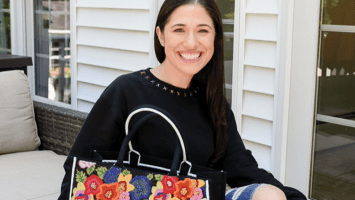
<point>156,112</point>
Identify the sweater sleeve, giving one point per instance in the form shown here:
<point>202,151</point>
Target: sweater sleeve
<point>241,167</point>
<point>102,131</point>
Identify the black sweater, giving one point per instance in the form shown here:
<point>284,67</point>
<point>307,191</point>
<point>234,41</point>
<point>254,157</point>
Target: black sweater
<point>103,130</point>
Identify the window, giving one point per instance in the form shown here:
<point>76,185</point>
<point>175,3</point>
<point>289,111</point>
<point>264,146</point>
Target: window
<point>5,30</point>
<point>52,49</point>
<point>226,8</point>
<point>334,146</point>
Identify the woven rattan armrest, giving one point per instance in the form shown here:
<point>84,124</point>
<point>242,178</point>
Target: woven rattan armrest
<point>57,126</point>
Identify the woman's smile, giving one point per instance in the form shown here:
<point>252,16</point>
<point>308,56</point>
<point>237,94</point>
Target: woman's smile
<point>190,57</point>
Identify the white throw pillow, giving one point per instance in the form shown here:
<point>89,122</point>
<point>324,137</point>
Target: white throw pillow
<point>18,130</point>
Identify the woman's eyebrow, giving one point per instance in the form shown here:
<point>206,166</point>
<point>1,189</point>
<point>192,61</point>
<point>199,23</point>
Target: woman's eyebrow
<point>197,26</point>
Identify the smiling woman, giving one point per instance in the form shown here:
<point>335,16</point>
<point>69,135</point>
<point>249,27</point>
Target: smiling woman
<point>189,86</point>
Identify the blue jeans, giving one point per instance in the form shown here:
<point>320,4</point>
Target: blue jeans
<point>242,193</point>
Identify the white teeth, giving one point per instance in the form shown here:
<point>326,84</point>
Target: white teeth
<point>190,56</point>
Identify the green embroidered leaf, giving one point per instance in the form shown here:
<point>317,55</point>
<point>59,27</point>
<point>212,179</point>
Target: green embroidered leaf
<point>80,177</point>
<point>101,172</point>
<point>125,172</point>
<point>90,170</point>
<point>150,176</point>
<point>158,177</point>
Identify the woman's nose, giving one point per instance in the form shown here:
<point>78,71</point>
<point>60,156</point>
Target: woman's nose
<point>191,41</point>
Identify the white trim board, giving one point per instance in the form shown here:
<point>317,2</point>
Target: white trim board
<point>302,94</point>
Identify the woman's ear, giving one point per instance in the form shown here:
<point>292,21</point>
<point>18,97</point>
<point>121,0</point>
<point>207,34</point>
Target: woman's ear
<point>160,36</point>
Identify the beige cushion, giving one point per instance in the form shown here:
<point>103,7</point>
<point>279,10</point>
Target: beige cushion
<point>18,131</point>
<point>31,175</point>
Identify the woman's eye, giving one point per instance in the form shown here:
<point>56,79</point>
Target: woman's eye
<point>178,30</point>
<point>204,31</point>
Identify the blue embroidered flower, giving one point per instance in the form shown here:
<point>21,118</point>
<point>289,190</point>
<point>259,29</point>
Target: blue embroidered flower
<point>111,175</point>
<point>141,188</point>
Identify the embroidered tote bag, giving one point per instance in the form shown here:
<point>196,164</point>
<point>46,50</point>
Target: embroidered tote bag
<point>139,178</point>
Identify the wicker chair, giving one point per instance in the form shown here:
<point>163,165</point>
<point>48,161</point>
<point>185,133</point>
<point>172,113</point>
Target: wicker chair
<point>57,126</point>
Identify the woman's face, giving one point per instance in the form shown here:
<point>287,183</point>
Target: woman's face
<point>188,39</point>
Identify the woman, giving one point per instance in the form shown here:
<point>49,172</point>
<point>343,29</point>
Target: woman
<point>189,85</point>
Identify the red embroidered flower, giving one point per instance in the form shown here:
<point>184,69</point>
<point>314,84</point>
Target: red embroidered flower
<point>108,192</point>
<point>81,198</point>
<point>92,185</point>
<point>184,189</point>
<point>169,184</point>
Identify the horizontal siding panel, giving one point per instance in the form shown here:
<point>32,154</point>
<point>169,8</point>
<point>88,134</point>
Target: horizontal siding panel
<point>85,106</point>
<point>114,18</point>
<point>89,92</point>
<point>113,38</point>
<point>261,27</point>
<point>262,6</point>
<point>124,4</point>
<point>112,58</point>
<point>261,153</point>
<point>257,130</point>
<point>258,105</point>
<point>101,76</point>
<point>259,79</point>
<point>260,53</point>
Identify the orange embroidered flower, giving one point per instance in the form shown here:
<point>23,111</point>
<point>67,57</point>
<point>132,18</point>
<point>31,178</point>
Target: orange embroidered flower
<point>108,192</point>
<point>184,189</point>
<point>92,185</point>
<point>169,184</point>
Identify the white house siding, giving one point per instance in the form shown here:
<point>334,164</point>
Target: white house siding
<point>257,77</point>
<point>112,38</point>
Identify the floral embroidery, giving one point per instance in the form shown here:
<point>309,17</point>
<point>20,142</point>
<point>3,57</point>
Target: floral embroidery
<point>150,176</point>
<point>197,194</point>
<point>153,81</point>
<point>178,93</point>
<point>78,193</point>
<point>108,192</point>
<point>147,77</point>
<point>184,189</point>
<point>111,183</point>
<point>123,183</point>
<point>111,175</point>
<point>142,73</point>
<point>141,188</point>
<point>197,183</point>
<point>124,196</point>
<point>172,91</point>
<point>85,164</point>
<point>169,184</point>
<point>165,88</point>
<point>80,177</point>
<point>158,85</point>
<point>159,195</point>
<point>92,185</point>
<point>158,187</point>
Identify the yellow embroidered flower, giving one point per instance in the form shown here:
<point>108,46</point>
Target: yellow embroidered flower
<point>123,183</point>
<point>197,183</point>
<point>154,190</point>
<point>79,191</point>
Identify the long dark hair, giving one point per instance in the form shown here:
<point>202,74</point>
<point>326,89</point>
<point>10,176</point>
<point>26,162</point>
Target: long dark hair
<point>211,78</point>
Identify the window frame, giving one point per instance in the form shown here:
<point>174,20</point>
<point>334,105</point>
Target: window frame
<point>30,52</point>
